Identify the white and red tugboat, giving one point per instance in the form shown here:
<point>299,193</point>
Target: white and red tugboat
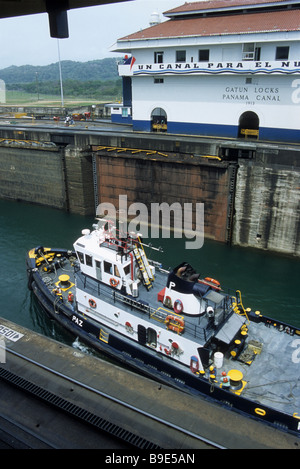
<point>174,326</point>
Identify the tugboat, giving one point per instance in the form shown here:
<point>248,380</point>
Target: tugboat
<point>174,326</point>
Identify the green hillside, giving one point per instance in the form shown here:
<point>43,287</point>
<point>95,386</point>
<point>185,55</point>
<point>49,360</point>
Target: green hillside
<point>96,79</point>
<point>104,69</point>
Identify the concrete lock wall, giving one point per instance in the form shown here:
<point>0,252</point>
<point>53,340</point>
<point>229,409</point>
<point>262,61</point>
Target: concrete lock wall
<point>79,181</point>
<point>45,174</point>
<point>250,190</point>
<point>267,202</point>
<point>32,175</point>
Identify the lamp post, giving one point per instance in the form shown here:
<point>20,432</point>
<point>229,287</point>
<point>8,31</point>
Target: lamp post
<point>60,75</point>
<point>37,85</point>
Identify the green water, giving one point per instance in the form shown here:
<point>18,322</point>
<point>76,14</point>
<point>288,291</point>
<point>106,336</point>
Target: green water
<point>268,282</point>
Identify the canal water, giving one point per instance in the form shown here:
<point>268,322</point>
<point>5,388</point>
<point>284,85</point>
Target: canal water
<point>268,282</point>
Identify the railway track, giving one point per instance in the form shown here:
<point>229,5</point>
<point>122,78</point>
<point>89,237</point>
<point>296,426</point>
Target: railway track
<point>90,418</point>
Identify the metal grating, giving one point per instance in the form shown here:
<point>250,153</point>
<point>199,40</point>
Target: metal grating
<point>77,411</point>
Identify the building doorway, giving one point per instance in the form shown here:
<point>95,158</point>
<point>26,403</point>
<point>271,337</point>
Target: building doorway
<point>159,120</point>
<point>249,125</point>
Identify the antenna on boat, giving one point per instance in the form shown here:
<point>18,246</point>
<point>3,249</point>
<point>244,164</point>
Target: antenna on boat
<point>159,249</point>
<point>122,222</point>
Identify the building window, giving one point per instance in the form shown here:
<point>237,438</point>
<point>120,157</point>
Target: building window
<point>158,80</point>
<point>251,52</point>
<point>282,53</point>
<point>180,56</point>
<point>248,51</point>
<point>158,57</point>
<point>204,55</point>
<point>257,53</point>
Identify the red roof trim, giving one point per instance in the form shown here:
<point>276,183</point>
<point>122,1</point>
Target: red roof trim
<point>221,4</point>
<point>221,25</point>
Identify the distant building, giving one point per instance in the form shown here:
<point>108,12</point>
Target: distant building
<point>2,92</point>
<point>228,68</point>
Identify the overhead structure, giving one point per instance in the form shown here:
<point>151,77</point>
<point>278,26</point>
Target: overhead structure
<point>56,9</point>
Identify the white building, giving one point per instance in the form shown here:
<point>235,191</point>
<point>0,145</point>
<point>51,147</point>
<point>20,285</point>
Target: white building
<point>228,68</point>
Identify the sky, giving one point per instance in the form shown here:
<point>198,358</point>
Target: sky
<point>92,32</point>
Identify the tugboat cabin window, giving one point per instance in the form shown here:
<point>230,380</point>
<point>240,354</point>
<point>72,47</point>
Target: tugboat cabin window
<point>151,337</point>
<point>127,269</point>
<point>98,270</point>
<point>108,267</point>
<point>80,257</point>
<point>89,260</point>
<point>116,271</point>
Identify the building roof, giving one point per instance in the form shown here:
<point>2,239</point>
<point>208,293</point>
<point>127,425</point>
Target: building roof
<point>271,21</point>
<point>225,5</point>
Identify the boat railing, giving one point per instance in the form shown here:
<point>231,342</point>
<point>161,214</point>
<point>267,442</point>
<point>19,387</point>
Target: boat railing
<point>197,331</point>
<point>161,314</point>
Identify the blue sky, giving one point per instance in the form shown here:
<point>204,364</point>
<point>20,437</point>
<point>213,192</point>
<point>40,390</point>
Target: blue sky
<point>92,31</point>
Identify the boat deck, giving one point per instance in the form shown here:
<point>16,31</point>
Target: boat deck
<point>273,376</point>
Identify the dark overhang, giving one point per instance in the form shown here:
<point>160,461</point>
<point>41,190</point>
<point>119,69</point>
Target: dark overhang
<point>56,9</point>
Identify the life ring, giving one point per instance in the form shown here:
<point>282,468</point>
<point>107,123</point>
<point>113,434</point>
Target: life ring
<point>178,306</point>
<point>212,280</point>
<point>128,327</point>
<point>168,302</point>
<point>194,364</point>
<point>175,324</point>
<point>114,282</point>
<point>92,303</point>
